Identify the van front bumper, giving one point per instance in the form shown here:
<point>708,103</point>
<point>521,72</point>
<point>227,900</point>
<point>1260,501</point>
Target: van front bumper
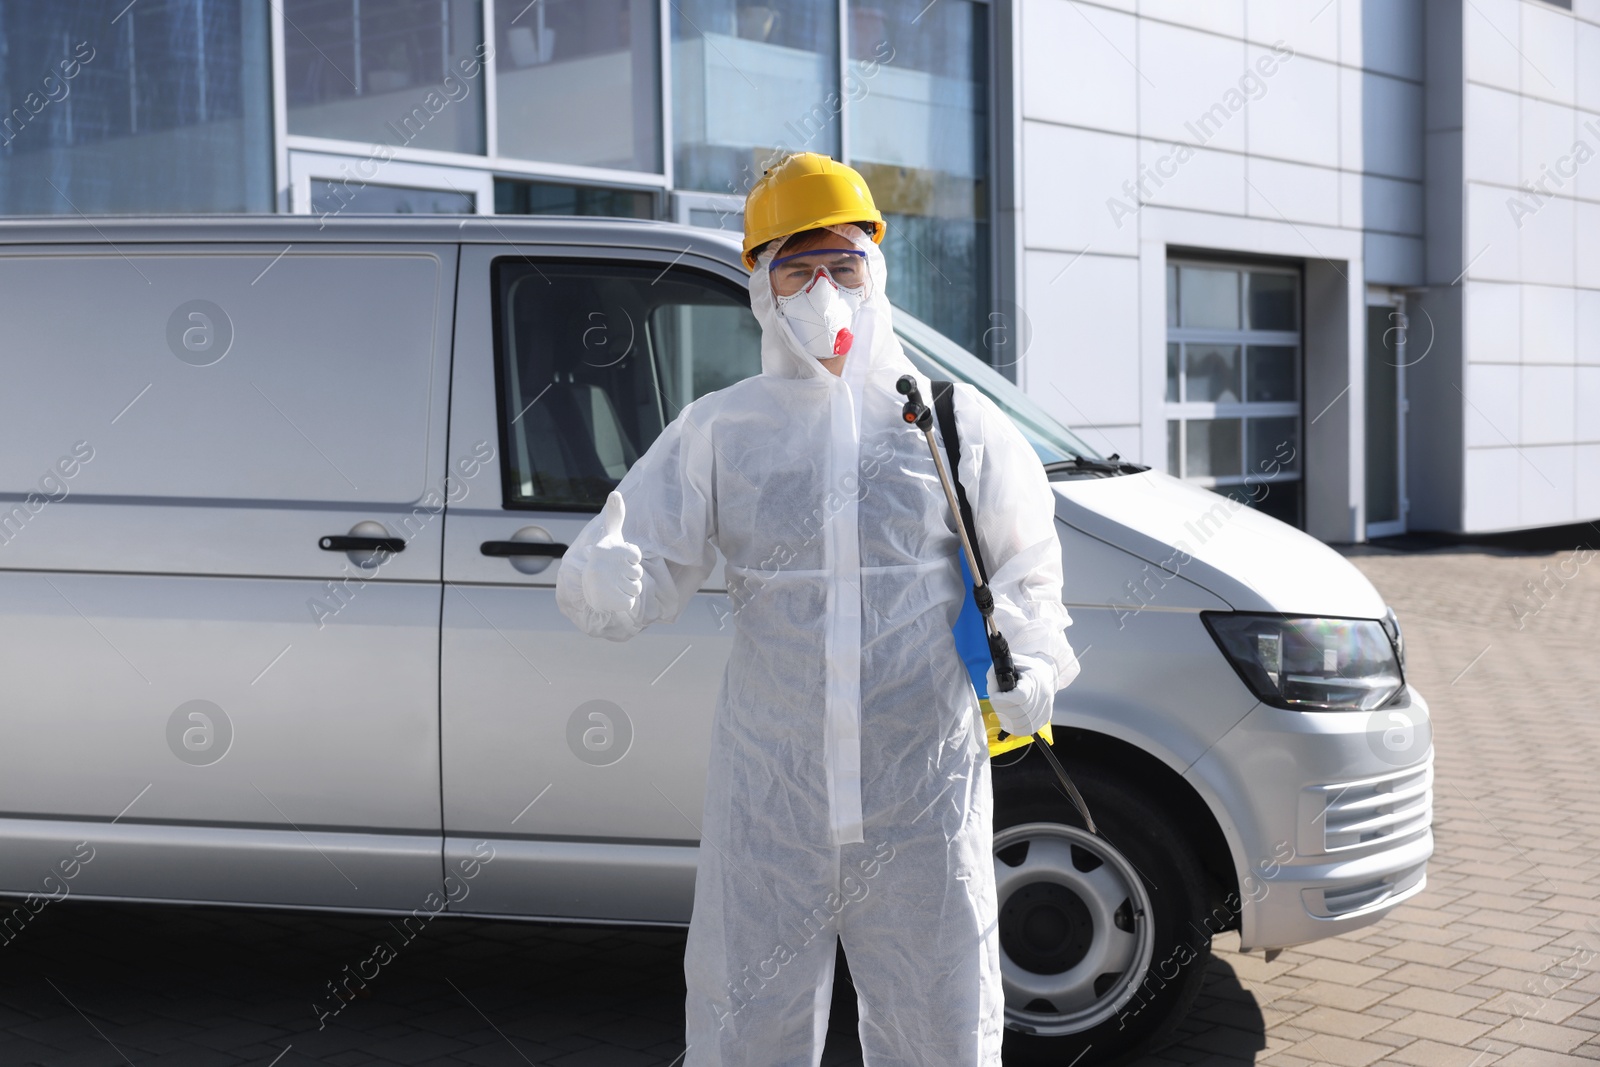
<point>1331,816</point>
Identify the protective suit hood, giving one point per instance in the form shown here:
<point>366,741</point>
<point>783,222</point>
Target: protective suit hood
<point>876,349</point>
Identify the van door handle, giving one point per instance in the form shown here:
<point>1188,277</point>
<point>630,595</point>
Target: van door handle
<point>347,543</point>
<point>522,548</point>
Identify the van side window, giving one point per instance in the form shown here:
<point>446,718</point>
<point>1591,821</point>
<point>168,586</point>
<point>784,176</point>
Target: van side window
<point>595,359</point>
<point>245,373</point>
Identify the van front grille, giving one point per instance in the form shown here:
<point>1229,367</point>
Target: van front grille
<point>1393,806</point>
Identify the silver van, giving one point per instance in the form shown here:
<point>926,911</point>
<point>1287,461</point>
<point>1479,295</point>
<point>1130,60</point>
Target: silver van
<point>280,503</point>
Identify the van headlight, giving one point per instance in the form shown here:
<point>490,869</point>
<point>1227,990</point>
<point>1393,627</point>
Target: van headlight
<point>1311,664</point>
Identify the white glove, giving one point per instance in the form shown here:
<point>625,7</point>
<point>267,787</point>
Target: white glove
<point>612,577</point>
<point>1026,709</point>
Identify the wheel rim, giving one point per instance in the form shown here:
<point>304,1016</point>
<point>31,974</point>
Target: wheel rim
<point>1075,928</point>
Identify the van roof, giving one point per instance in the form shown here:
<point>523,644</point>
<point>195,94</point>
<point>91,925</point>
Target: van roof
<point>308,229</point>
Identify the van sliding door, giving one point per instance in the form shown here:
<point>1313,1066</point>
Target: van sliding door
<point>579,762</point>
<point>221,471</point>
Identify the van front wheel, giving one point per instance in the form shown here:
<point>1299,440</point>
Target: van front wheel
<point>1102,944</point>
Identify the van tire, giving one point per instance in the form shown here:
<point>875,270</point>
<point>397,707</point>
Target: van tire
<point>1136,835</point>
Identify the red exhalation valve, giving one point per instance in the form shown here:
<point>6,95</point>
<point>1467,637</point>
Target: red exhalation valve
<point>843,341</point>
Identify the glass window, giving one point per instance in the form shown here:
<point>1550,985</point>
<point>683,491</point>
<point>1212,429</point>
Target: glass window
<point>1274,301</point>
<point>1233,389</point>
<point>329,197</point>
<point>577,82</point>
<point>1270,373</point>
<point>546,198</point>
<point>166,108</point>
<point>918,91</point>
<point>596,359</point>
<point>1212,447</point>
<point>405,73</point>
<point>703,348</point>
<point>1212,373</point>
<point>749,83</point>
<point>1274,445</point>
<point>1209,297</point>
<point>325,401</point>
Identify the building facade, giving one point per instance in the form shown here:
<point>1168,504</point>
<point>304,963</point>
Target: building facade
<point>1412,174</point>
<point>1326,257</point>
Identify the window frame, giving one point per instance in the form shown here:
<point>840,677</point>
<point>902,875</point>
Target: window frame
<point>509,489</point>
<point>308,167</point>
<point>489,162</point>
<point>1184,410</point>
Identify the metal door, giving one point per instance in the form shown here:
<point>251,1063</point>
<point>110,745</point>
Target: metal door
<point>581,761</point>
<point>203,679</point>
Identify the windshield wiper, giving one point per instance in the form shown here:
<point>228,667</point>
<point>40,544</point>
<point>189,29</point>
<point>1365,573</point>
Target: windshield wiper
<point>1112,464</point>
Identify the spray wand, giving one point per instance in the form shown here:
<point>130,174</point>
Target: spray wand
<point>920,415</point>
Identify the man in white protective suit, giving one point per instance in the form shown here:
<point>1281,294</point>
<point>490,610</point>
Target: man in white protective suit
<point>848,795</point>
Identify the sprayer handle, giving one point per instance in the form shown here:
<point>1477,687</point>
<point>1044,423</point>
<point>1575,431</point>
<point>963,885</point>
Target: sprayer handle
<point>1005,671</point>
<point>915,411</point>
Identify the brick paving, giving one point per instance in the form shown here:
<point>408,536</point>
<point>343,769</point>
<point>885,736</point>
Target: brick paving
<point>1497,962</point>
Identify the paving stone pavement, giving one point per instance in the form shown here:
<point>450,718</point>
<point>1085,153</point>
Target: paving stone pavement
<point>1497,962</point>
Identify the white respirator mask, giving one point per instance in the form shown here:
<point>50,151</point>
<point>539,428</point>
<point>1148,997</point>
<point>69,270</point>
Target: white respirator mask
<point>820,315</point>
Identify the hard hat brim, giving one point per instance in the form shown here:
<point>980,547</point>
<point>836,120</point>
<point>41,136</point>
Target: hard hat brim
<point>837,219</point>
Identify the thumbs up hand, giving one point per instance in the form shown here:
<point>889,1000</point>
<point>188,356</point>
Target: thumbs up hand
<point>612,577</point>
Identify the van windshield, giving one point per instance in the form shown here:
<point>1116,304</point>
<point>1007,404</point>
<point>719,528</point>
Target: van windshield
<point>937,356</point>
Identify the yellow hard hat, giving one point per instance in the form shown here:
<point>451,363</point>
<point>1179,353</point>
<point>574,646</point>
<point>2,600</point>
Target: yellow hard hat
<point>802,191</point>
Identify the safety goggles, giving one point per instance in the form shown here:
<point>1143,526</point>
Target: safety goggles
<point>847,267</point>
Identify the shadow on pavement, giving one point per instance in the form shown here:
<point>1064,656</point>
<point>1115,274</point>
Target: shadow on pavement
<point>1536,542</point>
<point>89,984</point>
<point>1226,1027</point>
